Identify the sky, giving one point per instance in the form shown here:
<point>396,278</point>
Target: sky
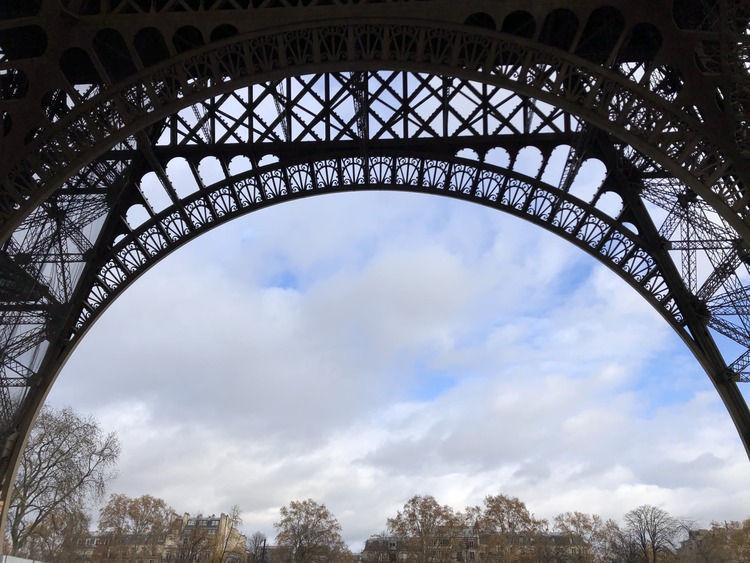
<point>359,349</point>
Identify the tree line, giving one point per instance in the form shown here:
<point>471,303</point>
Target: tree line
<point>69,462</point>
<point>503,530</point>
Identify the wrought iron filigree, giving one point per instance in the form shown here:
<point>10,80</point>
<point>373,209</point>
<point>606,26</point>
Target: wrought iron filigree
<point>129,127</point>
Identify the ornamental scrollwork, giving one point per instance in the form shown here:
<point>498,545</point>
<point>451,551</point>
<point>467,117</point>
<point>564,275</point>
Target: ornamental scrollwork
<point>434,174</point>
<point>369,41</point>
<point>489,186</point>
<point>327,174</point>
<point>378,102</point>
<point>516,193</point>
<point>468,179</point>
<point>153,241</point>
<point>616,247</point>
<point>112,275</point>
<point>248,190</point>
<point>200,213</point>
<point>176,226</point>
<point>274,184</point>
<point>592,231</point>
<point>462,178</point>
<point>657,286</point>
<point>626,105</point>
<point>353,171</point>
<point>300,179</point>
<point>639,265</point>
<point>542,205</point>
<point>299,48</point>
<point>223,201</point>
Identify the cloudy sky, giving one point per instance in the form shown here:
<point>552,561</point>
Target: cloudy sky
<point>359,349</point>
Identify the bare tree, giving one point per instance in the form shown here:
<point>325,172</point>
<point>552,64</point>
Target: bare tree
<point>654,531</point>
<point>509,530</point>
<point>309,533</point>
<point>134,526</point>
<point>618,545</point>
<point>588,530</point>
<point>201,539</point>
<point>737,538</point>
<point>426,529</point>
<point>256,548</point>
<point>229,546</point>
<point>67,462</point>
<point>193,544</point>
<point>724,543</point>
<point>703,546</point>
<point>59,536</point>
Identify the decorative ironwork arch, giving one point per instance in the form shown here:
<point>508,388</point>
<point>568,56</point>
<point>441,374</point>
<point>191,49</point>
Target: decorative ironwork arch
<point>550,207</point>
<point>368,95</point>
<point>673,136</point>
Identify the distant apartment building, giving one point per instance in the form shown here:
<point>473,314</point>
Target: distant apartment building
<point>189,539</point>
<point>210,539</point>
<point>465,545</point>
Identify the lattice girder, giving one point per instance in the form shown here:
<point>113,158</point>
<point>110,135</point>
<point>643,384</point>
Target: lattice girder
<point>661,127</point>
<point>99,99</point>
<point>193,146</point>
<point>577,221</point>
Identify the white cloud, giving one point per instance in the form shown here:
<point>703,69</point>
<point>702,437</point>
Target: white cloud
<point>361,349</point>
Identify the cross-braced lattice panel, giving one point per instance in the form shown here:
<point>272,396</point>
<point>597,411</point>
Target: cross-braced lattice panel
<point>594,135</point>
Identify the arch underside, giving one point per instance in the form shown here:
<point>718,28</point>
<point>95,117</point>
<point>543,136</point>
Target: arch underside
<point>123,174</point>
<point>164,197</point>
<point>548,206</point>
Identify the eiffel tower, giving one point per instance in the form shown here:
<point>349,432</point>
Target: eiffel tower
<point>129,127</point>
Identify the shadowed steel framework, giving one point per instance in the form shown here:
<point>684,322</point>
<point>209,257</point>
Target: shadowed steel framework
<point>129,127</point>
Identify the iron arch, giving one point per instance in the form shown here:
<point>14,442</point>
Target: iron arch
<point>82,158</point>
<point>151,237</point>
<point>625,106</point>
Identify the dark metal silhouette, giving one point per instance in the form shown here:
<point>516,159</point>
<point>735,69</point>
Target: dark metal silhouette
<point>129,127</point>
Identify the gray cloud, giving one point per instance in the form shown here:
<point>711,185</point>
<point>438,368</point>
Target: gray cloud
<point>365,348</point>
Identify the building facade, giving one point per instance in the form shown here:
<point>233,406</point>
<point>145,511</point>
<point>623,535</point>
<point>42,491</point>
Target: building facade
<point>466,545</point>
<point>189,539</point>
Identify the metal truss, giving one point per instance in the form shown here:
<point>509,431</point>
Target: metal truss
<point>155,120</point>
